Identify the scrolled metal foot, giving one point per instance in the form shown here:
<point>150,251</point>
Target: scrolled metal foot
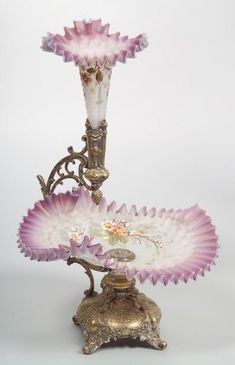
<point>75,321</point>
<point>155,341</point>
<point>120,311</point>
<point>162,345</point>
<point>91,345</point>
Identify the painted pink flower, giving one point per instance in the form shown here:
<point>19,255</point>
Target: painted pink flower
<point>167,245</point>
<point>47,232</point>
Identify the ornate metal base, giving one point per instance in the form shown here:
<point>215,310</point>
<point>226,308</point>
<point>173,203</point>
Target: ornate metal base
<point>120,311</point>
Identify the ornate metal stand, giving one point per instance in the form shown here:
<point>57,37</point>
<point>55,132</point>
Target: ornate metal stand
<point>120,311</point>
<point>90,167</point>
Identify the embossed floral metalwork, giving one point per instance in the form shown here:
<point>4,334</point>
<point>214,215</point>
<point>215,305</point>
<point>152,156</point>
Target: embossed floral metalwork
<point>120,311</point>
<point>156,244</point>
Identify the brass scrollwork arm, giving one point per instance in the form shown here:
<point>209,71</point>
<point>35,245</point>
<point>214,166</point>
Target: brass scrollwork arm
<point>90,171</point>
<point>88,267</point>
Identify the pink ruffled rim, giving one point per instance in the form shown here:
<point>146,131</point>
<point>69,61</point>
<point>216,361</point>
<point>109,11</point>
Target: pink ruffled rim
<point>53,204</point>
<point>205,251</point>
<point>197,221</point>
<point>59,44</point>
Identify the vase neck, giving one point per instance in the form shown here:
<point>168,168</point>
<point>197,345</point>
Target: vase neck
<point>95,82</point>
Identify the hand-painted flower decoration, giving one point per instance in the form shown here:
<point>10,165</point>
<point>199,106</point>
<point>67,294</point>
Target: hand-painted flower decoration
<point>90,46</point>
<point>164,245</point>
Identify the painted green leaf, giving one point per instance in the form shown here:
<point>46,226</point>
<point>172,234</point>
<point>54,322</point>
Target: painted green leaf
<point>112,240</point>
<point>99,76</point>
<point>91,70</point>
<point>123,239</point>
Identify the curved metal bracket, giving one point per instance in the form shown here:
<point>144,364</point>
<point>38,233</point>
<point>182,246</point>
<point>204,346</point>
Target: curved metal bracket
<point>62,171</point>
<point>88,266</point>
<point>90,171</point>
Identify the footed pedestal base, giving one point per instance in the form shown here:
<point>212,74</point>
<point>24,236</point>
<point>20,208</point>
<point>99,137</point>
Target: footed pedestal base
<point>120,311</point>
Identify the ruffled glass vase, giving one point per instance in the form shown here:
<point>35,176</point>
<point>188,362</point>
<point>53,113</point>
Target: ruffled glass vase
<point>159,245</point>
<point>90,46</point>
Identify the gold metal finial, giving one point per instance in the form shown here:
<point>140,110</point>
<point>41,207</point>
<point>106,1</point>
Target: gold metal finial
<point>121,254</point>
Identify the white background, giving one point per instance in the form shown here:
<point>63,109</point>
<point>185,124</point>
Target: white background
<point>170,144</point>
